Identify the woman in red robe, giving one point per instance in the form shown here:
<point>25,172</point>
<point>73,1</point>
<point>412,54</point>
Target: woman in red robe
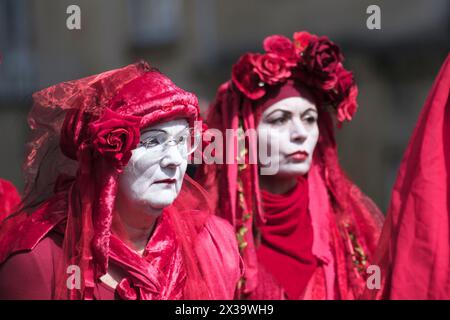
<point>305,231</point>
<point>99,220</point>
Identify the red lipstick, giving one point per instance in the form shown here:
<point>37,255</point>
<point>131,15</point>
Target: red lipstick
<point>298,156</point>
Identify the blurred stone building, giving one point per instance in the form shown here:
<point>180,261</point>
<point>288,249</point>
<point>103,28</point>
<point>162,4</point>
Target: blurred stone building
<point>195,42</point>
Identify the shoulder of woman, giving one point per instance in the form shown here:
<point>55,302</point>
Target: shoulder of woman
<point>28,274</point>
<point>22,232</point>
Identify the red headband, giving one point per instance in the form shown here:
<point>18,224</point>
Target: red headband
<point>287,90</point>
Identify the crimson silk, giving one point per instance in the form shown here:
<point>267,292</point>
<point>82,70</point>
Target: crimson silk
<point>287,238</point>
<point>28,264</point>
<point>83,132</point>
<point>158,274</point>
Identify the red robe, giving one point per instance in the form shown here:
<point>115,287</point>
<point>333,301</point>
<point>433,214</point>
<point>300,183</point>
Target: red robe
<point>29,262</point>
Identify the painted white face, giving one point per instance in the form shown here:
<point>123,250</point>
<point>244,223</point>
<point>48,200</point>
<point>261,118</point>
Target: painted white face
<point>290,131</point>
<point>153,177</point>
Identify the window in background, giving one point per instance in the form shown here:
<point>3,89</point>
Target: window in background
<point>16,69</point>
<point>155,23</point>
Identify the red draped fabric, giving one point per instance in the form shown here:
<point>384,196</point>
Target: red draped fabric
<point>31,250</point>
<point>414,250</point>
<point>83,133</point>
<point>287,238</point>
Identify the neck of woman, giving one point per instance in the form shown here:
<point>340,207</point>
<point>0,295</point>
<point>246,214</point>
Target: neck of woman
<point>133,224</point>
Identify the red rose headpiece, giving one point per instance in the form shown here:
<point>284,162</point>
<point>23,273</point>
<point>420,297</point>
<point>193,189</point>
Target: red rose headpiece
<point>311,60</point>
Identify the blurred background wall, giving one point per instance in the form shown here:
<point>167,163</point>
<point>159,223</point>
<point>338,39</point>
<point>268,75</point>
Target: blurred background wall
<point>195,42</point>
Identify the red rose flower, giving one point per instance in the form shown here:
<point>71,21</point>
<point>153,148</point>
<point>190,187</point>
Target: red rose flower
<point>271,68</point>
<point>302,39</point>
<point>246,79</point>
<point>320,60</point>
<point>348,106</point>
<point>282,47</point>
<point>344,81</point>
<point>114,136</point>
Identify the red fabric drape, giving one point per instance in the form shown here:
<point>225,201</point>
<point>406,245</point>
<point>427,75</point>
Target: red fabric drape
<point>287,238</point>
<point>83,132</point>
<point>414,250</point>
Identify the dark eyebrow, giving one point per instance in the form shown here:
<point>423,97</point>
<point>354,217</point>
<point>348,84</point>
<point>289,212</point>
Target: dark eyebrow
<point>281,110</point>
<point>150,130</point>
<point>289,112</point>
<point>310,109</point>
<point>161,130</point>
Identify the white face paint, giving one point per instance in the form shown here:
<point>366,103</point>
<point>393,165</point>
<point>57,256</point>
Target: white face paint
<point>289,126</point>
<point>152,179</point>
